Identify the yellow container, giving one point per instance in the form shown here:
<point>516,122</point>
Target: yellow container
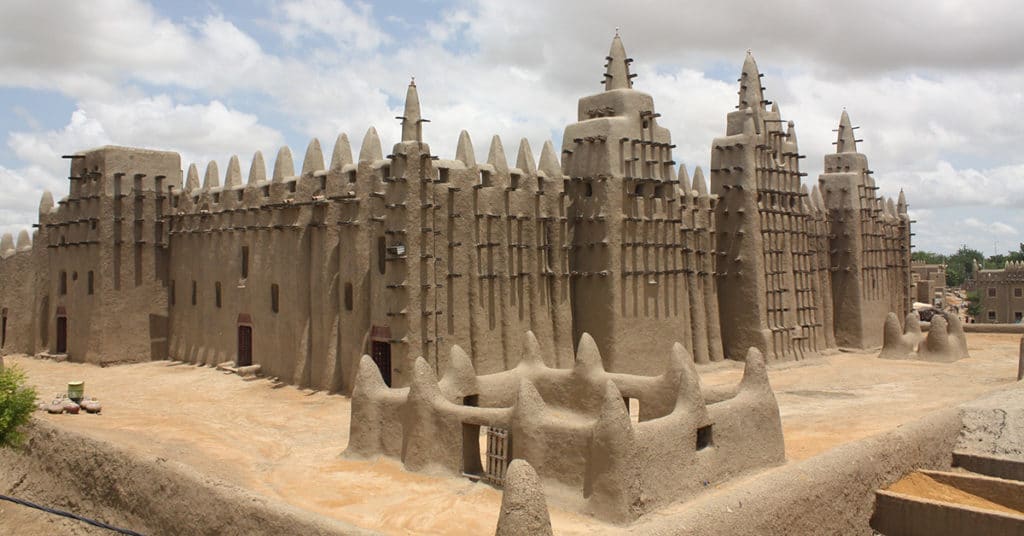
<point>76,391</point>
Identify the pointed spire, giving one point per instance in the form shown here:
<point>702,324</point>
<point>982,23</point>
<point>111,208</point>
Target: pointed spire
<point>901,203</point>
<point>524,160</point>
<point>342,154</point>
<point>24,242</point>
<point>816,192</point>
<point>588,357</point>
<point>523,507</point>
<point>46,203</point>
<point>283,165</point>
<point>411,120</point>
<point>549,161</point>
<point>684,179</point>
<point>617,69</point>
<point>464,150</point>
<point>370,150</point>
<point>257,170</point>
<point>846,142</point>
<point>751,94</point>
<point>496,156</point>
<point>805,197</point>
<point>791,133</point>
<point>212,177</point>
<point>234,175</point>
<point>532,356</point>
<point>6,243</point>
<point>192,178</point>
<point>698,182</point>
<point>314,159</point>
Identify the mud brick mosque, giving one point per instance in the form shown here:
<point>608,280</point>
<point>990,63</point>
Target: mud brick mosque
<point>408,255</point>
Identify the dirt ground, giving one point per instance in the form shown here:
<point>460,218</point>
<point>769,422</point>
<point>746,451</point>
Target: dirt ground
<point>284,443</point>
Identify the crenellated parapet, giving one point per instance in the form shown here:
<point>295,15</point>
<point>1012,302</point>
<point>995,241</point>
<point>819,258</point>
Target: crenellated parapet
<point>574,425</point>
<point>944,342</point>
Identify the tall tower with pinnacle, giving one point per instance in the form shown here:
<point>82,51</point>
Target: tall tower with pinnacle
<point>869,242</point>
<point>629,288</point>
<point>770,285</point>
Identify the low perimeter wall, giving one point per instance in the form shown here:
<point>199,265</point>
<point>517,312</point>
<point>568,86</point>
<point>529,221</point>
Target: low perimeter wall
<point>832,493</point>
<point>96,479</point>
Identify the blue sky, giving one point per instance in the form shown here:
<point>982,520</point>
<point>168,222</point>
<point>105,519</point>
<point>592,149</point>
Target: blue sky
<point>934,86</point>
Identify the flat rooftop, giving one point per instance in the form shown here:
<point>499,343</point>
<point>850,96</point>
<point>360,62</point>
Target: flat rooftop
<point>284,443</point>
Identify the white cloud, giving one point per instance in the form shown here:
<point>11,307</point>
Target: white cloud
<point>939,116</point>
<point>346,25</point>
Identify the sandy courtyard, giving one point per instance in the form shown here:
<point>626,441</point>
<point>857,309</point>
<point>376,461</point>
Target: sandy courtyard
<point>284,443</point>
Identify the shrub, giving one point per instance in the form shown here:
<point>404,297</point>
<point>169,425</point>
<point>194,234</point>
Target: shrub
<point>17,402</point>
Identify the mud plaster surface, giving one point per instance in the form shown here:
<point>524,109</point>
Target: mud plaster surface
<point>284,443</point>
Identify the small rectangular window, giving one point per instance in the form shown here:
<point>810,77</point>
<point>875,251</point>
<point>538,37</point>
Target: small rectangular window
<point>992,316</point>
<point>704,437</point>
<point>1018,316</point>
<point>171,295</point>
<point>90,276</point>
<point>245,262</point>
<point>193,292</point>
<point>992,292</point>
<point>266,191</point>
<point>63,282</point>
<point>292,186</point>
<point>216,289</point>
<point>274,295</point>
<point>1018,292</point>
<point>352,176</point>
<point>348,297</point>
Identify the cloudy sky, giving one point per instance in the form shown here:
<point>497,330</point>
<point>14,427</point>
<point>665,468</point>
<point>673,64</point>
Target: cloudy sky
<point>936,86</point>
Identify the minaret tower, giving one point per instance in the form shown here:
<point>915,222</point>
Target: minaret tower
<point>628,285</point>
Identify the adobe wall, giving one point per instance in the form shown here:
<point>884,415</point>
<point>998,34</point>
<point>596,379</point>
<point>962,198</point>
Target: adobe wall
<point>407,251</point>
<point>841,501</point>
<point>103,252</point>
<point>150,496</point>
<point>17,296</point>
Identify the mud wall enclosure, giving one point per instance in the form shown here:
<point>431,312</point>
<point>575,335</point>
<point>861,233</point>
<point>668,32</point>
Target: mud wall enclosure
<point>153,496</point>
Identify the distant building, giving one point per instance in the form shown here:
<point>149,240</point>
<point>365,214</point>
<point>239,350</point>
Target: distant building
<point>1001,292</point>
<point>929,282</point>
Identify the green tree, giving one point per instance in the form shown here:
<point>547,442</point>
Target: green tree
<point>928,257</point>
<point>973,303</point>
<point>960,265</point>
<point>17,402</point>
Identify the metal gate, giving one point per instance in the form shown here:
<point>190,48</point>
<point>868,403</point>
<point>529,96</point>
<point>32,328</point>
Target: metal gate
<point>499,454</point>
<point>62,334</point>
<point>244,346</point>
<point>381,354</point>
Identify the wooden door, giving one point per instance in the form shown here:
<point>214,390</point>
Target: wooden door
<point>381,354</point>
<point>244,346</point>
<point>62,334</point>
